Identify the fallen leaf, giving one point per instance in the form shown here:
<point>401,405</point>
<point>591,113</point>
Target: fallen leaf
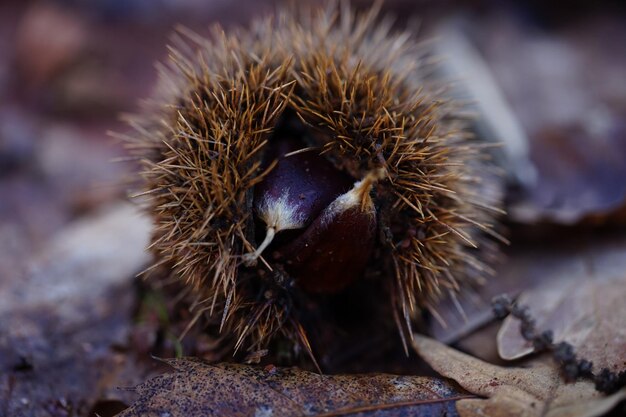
<point>202,389</point>
<point>495,121</point>
<point>534,391</point>
<point>576,287</point>
<point>565,86</point>
<point>580,174</point>
<point>582,302</point>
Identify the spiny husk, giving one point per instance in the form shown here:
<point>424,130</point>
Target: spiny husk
<point>370,96</point>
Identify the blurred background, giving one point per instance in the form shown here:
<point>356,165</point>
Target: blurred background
<point>549,78</point>
<point>69,68</point>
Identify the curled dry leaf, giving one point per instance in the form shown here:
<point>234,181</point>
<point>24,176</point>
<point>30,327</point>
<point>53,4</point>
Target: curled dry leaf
<point>576,291</point>
<point>60,319</point>
<point>534,391</point>
<point>582,302</point>
<point>201,389</point>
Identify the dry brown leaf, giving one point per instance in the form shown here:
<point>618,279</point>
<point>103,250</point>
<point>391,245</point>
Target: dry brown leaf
<point>534,391</point>
<point>201,389</point>
<point>572,263</point>
<point>582,302</point>
<point>61,319</point>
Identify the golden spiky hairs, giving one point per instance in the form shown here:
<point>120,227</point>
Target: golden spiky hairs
<point>294,157</point>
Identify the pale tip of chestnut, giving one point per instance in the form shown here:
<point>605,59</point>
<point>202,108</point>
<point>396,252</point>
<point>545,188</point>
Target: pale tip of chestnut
<point>359,195</point>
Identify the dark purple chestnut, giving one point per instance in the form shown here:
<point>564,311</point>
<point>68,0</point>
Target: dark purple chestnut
<point>334,250</point>
<point>295,191</point>
<point>337,219</point>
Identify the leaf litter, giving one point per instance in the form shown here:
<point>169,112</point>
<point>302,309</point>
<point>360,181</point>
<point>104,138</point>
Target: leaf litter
<point>535,390</point>
<point>63,318</point>
<point>200,389</point>
<point>582,301</point>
